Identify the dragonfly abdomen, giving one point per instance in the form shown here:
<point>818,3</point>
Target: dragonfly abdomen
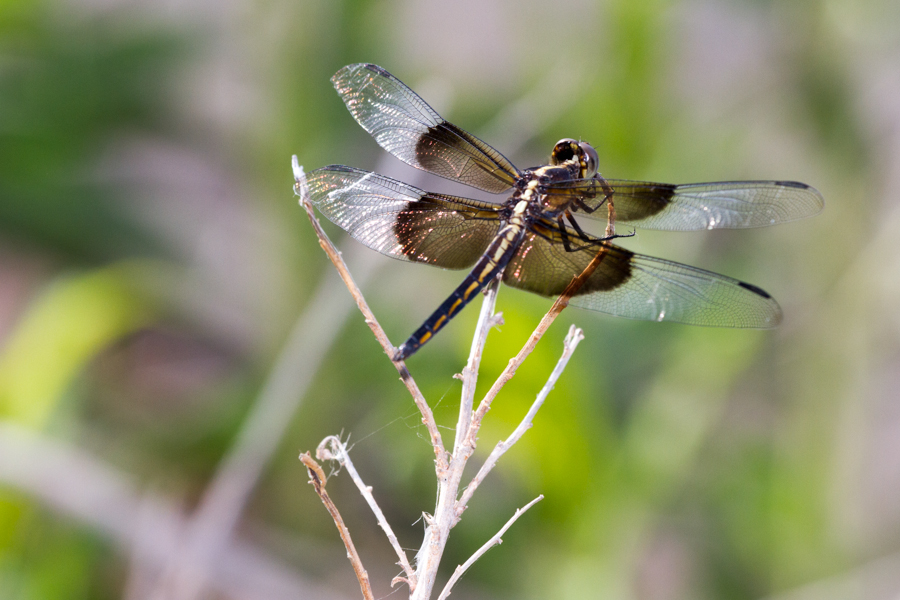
<point>491,264</point>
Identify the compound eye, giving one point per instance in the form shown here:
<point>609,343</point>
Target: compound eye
<point>563,151</point>
<point>591,160</point>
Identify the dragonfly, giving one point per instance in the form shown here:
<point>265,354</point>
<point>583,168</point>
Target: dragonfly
<point>533,241</point>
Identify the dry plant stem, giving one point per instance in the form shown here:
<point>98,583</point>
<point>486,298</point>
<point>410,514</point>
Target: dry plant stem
<point>317,479</point>
<point>300,188</point>
<point>574,336</point>
<point>486,320</point>
<point>494,541</point>
<point>332,448</point>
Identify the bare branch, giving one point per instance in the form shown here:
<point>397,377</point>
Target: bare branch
<point>317,479</point>
<point>494,541</point>
<point>486,320</point>
<point>571,342</point>
<point>301,189</point>
<point>332,448</point>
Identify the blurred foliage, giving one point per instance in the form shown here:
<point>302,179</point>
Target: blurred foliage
<point>152,260</point>
<point>63,331</point>
<point>65,90</point>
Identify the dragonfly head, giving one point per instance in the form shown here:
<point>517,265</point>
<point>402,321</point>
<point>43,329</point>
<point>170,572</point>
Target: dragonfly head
<point>581,153</point>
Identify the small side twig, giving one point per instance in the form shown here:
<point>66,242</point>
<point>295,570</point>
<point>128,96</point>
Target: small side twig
<point>301,189</point>
<point>317,479</point>
<point>496,540</point>
<point>572,340</point>
<point>331,448</point>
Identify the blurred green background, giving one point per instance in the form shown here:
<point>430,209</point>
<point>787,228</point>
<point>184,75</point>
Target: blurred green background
<point>164,303</point>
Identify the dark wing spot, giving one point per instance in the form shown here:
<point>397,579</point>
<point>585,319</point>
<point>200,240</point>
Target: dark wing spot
<point>412,227</point>
<point>793,184</point>
<point>543,267</point>
<point>654,198</point>
<point>378,70</point>
<point>613,271</point>
<point>431,149</point>
<point>754,289</point>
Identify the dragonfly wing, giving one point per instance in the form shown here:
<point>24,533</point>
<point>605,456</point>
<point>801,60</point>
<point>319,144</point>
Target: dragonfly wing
<point>402,221</point>
<point>404,125</point>
<point>634,286</point>
<point>694,206</point>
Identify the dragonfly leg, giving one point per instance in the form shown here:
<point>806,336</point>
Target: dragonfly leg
<point>576,227</point>
<point>564,233</point>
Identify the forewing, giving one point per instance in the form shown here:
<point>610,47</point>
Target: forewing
<point>639,287</point>
<point>402,221</point>
<point>404,125</point>
<point>694,206</point>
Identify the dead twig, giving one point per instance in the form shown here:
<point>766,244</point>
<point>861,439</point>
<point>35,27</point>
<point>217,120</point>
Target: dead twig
<point>448,507</point>
<point>494,541</point>
<point>331,448</point>
<point>317,479</point>
<point>487,319</point>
